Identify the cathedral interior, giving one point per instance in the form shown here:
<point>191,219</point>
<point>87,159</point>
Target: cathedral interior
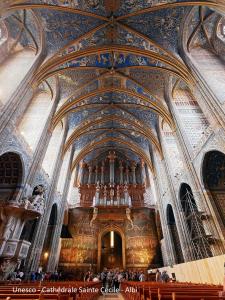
<point>112,136</point>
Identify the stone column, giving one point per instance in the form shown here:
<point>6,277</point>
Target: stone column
<point>96,174</point>
<point>127,174</point>
<point>102,172</point>
<point>143,175</point>
<point>33,261</point>
<point>81,171</point>
<point>121,172</point>
<point>133,168</point>
<point>112,157</point>
<point>90,174</point>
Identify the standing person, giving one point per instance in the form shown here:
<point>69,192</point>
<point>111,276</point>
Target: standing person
<point>110,278</point>
<point>103,277</point>
<point>136,277</point>
<point>56,276</point>
<point>165,277</point>
<point>86,277</point>
<point>157,275</point>
<point>13,276</point>
<point>116,281</point>
<point>33,276</point>
<point>142,276</point>
<point>120,279</point>
<point>21,275</point>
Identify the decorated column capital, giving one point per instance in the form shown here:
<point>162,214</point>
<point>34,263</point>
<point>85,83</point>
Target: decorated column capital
<point>112,156</point>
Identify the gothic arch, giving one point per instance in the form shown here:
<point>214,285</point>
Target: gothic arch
<point>18,57</point>
<point>171,222</point>
<point>53,149</point>
<point>52,223</point>
<point>32,124</point>
<point>213,177</point>
<point>11,176</point>
<point>193,216</point>
<point>102,233</point>
<point>201,54</point>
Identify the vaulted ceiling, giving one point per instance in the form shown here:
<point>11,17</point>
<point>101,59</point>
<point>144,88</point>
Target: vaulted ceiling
<point>112,59</point>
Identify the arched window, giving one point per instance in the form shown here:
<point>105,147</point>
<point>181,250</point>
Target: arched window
<point>172,152</point>
<point>192,119</point>
<point>19,47</point>
<point>13,70</point>
<point>199,242</point>
<point>34,119</point>
<point>11,172</point>
<point>174,235</point>
<point>203,52</point>
<point>53,150</point>
<point>214,179</point>
<point>63,172</point>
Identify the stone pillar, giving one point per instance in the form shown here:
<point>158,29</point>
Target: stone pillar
<point>81,171</point>
<point>97,193</point>
<point>90,174</point>
<point>121,172</point>
<point>76,175</point>
<point>112,157</point>
<point>96,174</point>
<point>143,175</point>
<point>127,174</point>
<point>102,172</point>
<point>133,168</point>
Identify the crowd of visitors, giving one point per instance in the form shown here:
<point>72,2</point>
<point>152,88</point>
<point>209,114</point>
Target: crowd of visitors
<point>115,275</point>
<point>112,277</point>
<point>109,277</point>
<point>162,277</point>
<point>36,276</point>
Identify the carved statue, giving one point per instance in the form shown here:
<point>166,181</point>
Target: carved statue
<point>105,194</point>
<point>7,225</point>
<point>7,266</point>
<point>125,187</point>
<point>129,201</point>
<point>111,194</point>
<point>118,193</point>
<point>95,214</point>
<point>126,195</point>
<point>98,186</point>
<point>128,212</point>
<point>38,190</point>
<point>36,201</point>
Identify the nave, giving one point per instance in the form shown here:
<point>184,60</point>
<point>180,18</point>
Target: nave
<point>112,144</point>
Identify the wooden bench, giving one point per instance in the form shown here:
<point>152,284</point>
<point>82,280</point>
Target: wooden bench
<point>171,291</point>
<point>8,291</point>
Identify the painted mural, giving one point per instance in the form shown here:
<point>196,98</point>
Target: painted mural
<point>81,250</point>
<point>141,240</point>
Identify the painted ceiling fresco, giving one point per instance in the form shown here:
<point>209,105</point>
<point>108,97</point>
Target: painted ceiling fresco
<point>112,59</point>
